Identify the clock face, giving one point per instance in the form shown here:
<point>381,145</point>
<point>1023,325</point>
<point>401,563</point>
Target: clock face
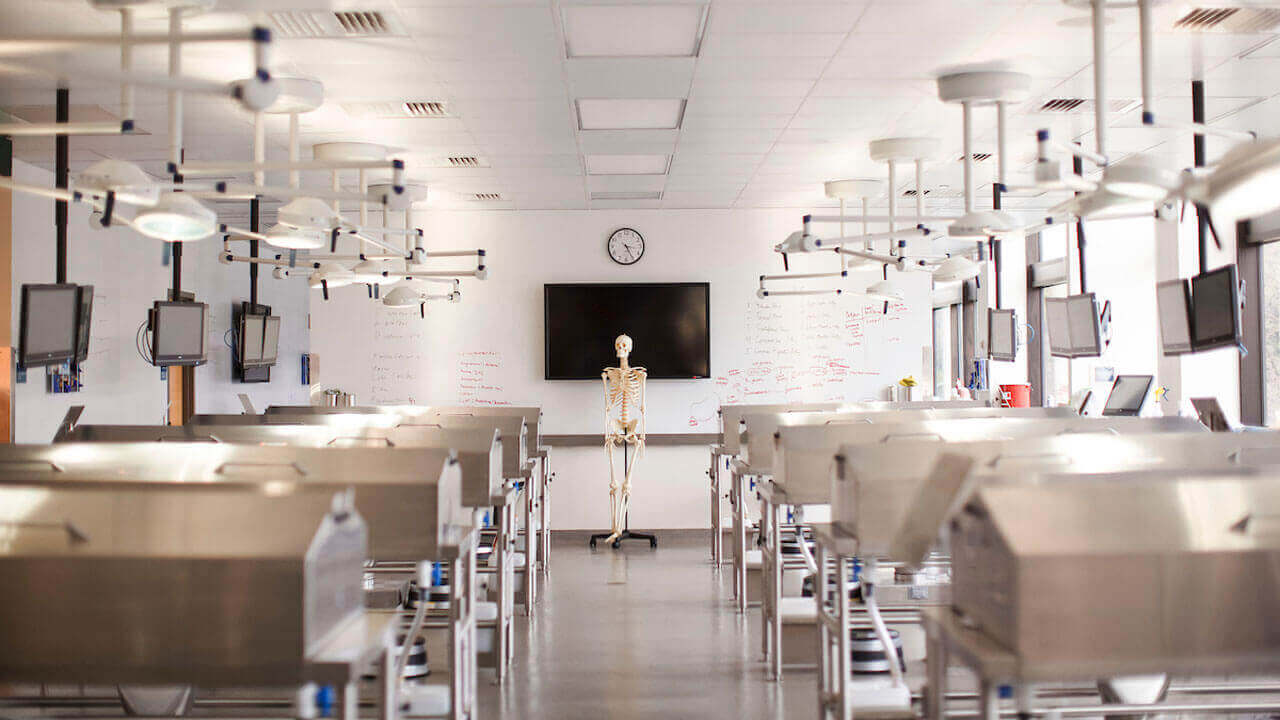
<point>626,246</point>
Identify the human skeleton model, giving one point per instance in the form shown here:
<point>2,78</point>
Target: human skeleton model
<point>623,424</point>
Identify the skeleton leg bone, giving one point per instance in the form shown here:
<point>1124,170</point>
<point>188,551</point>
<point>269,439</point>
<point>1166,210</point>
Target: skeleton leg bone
<point>609,441</point>
<point>638,444</point>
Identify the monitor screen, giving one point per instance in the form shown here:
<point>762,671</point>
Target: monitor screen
<point>1215,316</point>
<point>251,334</point>
<point>48,328</point>
<point>1057,326</point>
<point>1173,303</point>
<point>178,334</point>
<point>1127,395</point>
<point>669,323</point>
<point>271,340</point>
<point>1082,317</point>
<point>84,322</point>
<point>1004,335</point>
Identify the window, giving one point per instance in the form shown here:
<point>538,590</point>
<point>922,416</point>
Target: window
<point>943,361</point>
<point>1057,370</point>
<point>1270,287</point>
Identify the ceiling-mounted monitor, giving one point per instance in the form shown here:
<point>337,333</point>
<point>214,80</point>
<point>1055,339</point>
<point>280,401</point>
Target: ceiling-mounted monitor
<point>1073,326</point>
<point>48,324</point>
<point>1128,394</point>
<point>1057,327</point>
<point>85,295</point>
<point>1215,309</point>
<point>1173,303</point>
<point>178,333</point>
<point>271,340</point>
<point>1086,333</point>
<point>1003,333</point>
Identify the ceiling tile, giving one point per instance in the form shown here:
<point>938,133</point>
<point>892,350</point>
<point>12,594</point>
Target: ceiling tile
<point>658,30</point>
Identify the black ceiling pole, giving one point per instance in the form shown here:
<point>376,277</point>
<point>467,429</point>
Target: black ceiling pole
<point>253,250</point>
<point>62,114</point>
<point>1202,217</point>
<point>996,248</point>
<point>177,246</point>
<point>1077,166</point>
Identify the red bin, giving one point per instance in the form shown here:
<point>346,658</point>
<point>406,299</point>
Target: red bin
<point>1018,395</point>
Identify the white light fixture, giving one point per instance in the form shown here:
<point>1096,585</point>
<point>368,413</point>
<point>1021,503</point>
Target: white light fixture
<point>628,164</point>
<point>295,95</point>
<point>289,238</point>
<point>885,290</point>
<point>176,217</point>
<point>1245,182</point>
<point>403,296</point>
<point>983,223</point>
<point>128,181</point>
<point>956,268</point>
<point>673,30</point>
<point>1140,177</point>
<point>978,87</point>
<point>307,213</point>
<point>370,272</point>
<point>630,113</point>
<point>331,274</point>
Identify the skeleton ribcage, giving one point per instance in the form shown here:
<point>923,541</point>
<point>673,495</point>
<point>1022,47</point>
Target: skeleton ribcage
<point>624,392</point>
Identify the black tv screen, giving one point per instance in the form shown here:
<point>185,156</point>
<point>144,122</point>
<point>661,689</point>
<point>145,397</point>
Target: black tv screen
<point>670,324</point>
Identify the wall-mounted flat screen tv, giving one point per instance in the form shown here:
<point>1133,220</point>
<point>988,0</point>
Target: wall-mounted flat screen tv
<point>670,324</point>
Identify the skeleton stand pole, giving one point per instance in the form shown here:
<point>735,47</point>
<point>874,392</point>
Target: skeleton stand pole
<point>626,531</point>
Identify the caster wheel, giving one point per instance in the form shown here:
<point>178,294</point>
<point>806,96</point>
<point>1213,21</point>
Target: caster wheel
<point>616,544</point>
<point>653,544</point>
<point>593,544</point>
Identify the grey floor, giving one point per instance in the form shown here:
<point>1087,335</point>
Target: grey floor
<point>640,633</point>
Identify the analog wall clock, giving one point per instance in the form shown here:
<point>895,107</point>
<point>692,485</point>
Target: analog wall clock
<point>626,246</point>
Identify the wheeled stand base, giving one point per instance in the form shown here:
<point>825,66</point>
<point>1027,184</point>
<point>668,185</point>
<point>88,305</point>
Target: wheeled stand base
<point>626,535</point>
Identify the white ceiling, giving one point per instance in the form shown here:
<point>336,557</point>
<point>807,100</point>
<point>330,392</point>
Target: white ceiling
<point>775,98</point>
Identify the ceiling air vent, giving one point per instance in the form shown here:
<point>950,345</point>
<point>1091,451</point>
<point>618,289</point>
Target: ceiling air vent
<point>642,195</point>
<point>486,197</point>
<point>977,157</point>
<point>416,109</point>
<point>1085,105</point>
<point>912,192</point>
<point>340,24</point>
<point>1229,20</point>
<point>464,161</point>
<point>426,109</point>
<point>369,22</point>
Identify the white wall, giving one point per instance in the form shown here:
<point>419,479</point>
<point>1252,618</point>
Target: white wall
<point>126,272</point>
<point>385,355</point>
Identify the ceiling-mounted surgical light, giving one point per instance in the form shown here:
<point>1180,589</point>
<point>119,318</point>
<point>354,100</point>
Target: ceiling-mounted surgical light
<point>307,213</point>
<point>956,268</point>
<point>290,238</point>
<point>983,223</point>
<point>1244,182</point>
<point>1140,177</point>
<point>403,296</point>
<point>371,272</point>
<point>176,217</point>
<point>330,275</point>
<point>885,290</point>
<point>128,181</point>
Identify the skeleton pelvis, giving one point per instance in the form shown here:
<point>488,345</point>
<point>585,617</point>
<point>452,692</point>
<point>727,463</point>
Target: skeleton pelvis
<point>619,428</point>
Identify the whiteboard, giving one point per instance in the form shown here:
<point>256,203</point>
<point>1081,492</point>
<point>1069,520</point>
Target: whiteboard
<point>488,349</point>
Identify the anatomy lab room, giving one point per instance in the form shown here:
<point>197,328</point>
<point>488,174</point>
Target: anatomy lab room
<point>640,359</point>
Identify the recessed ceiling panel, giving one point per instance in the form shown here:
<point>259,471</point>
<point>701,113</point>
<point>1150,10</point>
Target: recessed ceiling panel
<point>630,113</point>
<point>633,30</point>
<point>627,164</point>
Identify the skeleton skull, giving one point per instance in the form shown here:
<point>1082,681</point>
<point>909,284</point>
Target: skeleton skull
<point>622,345</point>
